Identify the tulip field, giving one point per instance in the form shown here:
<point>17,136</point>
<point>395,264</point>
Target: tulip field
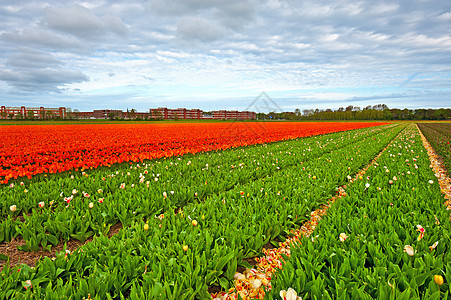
<point>439,135</point>
<point>199,202</point>
<point>31,150</point>
<point>396,233</point>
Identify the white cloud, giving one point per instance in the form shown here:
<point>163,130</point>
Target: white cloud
<point>384,8</point>
<point>445,16</point>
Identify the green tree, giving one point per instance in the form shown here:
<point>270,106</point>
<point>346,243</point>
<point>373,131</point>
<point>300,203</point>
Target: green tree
<point>157,115</point>
<point>49,114</point>
<point>76,114</point>
<point>30,114</point>
<point>387,114</point>
<point>69,114</point>
<point>111,115</point>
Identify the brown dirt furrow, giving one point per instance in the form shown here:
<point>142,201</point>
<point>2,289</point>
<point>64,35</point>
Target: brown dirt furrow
<point>31,257</point>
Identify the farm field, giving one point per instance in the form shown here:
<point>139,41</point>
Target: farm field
<point>439,135</point>
<point>31,150</point>
<point>190,222</point>
<point>390,238</point>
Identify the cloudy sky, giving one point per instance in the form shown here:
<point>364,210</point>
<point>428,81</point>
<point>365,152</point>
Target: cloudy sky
<point>222,54</point>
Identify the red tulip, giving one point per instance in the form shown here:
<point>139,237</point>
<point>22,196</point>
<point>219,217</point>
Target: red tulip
<point>49,150</point>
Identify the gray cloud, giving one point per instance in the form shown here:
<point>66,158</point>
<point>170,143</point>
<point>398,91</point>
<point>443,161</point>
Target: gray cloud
<point>50,80</point>
<point>115,24</point>
<point>81,22</point>
<point>236,14</point>
<point>186,7</point>
<point>219,16</point>
<point>29,58</point>
<point>42,38</point>
<point>199,29</point>
<point>35,71</point>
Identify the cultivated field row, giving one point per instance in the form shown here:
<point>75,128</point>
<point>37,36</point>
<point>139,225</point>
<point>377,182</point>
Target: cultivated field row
<point>191,222</point>
<point>203,240</point>
<point>388,239</point>
<point>59,148</point>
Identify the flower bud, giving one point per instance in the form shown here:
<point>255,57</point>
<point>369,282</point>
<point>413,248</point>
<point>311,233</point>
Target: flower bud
<point>438,279</point>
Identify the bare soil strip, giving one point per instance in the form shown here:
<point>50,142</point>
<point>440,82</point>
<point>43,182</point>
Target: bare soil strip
<point>31,257</point>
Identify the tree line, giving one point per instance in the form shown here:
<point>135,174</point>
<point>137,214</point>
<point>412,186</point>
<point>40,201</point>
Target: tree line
<point>375,112</point>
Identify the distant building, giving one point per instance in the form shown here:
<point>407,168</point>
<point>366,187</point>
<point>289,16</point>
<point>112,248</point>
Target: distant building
<point>154,113</point>
<point>83,115</point>
<point>23,112</point>
<point>106,113</point>
<point>173,114</point>
<point>234,115</point>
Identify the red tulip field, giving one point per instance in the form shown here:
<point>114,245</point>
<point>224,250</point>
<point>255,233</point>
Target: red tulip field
<point>30,150</point>
<point>275,210</point>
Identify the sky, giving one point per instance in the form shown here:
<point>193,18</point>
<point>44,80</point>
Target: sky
<point>261,55</point>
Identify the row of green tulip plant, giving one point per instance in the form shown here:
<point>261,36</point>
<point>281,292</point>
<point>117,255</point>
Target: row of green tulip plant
<point>179,251</point>
<point>57,208</point>
<point>388,239</point>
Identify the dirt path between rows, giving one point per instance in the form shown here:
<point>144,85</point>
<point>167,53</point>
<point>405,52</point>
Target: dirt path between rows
<point>31,257</point>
